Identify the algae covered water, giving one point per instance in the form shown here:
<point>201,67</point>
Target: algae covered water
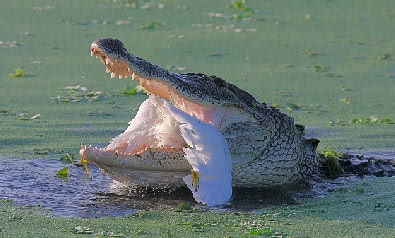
<point>329,64</point>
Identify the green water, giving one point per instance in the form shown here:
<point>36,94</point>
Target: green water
<point>275,56</point>
<point>324,62</point>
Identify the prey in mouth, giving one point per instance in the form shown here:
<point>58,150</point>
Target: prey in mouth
<point>199,130</point>
<point>171,140</point>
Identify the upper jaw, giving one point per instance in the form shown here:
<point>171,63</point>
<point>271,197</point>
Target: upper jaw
<point>116,64</point>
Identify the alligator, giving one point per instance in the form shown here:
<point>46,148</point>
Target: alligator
<point>201,131</point>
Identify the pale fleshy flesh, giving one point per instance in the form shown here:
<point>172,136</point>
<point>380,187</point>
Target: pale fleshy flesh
<point>266,148</point>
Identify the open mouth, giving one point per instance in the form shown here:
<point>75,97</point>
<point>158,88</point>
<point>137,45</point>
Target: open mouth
<point>169,136</point>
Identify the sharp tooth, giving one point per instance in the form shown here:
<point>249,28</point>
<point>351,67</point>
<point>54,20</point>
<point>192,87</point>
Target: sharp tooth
<point>108,60</point>
<point>92,53</point>
<point>129,70</point>
<point>120,76</point>
<point>113,75</point>
<point>108,70</point>
<point>133,76</point>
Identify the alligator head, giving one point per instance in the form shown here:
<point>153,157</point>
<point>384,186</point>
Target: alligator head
<point>200,123</point>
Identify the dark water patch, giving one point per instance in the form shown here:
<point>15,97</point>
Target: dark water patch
<point>35,182</point>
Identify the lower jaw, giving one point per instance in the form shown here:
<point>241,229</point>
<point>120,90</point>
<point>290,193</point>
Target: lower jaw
<point>156,169</point>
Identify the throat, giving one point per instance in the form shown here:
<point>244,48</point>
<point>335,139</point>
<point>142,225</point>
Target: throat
<point>153,128</point>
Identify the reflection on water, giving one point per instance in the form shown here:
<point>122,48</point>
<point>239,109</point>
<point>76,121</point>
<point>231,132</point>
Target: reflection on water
<point>35,182</point>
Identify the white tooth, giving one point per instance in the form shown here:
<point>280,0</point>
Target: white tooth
<point>129,70</point>
<point>133,76</point>
<point>120,76</point>
<point>107,70</point>
<point>92,53</point>
<point>113,75</point>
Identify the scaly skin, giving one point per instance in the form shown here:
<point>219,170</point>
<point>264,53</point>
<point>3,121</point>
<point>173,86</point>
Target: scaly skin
<point>267,148</point>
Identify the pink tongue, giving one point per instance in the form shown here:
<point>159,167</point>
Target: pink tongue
<point>201,112</point>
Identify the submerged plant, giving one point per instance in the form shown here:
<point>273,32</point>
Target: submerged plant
<point>331,162</point>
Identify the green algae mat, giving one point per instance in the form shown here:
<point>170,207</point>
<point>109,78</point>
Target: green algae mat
<point>329,64</point>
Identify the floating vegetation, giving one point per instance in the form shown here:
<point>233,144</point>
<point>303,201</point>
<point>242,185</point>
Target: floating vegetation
<point>216,54</point>
<point>151,5</point>
<point>177,36</point>
<point>386,120</point>
<point>4,112</point>
<point>99,114</point>
<point>224,28</point>
<point>215,15</point>
<point>18,73</point>
<point>68,158</point>
<point>26,33</point>
<point>331,162</point>
<point>337,122</point>
<point>63,173</point>
<point>41,151</point>
<point>345,89</point>
<point>384,57</point>
<point>287,66</point>
<point>365,120</point>
<point>128,91</point>
<point>321,69</point>
<point>48,7</point>
<point>308,17</point>
<point>345,101</point>
<point>88,22</point>
<point>243,12</point>
<point>26,117</point>
<point>10,44</point>
<point>82,230</point>
<point>184,206</point>
<point>283,93</point>
<point>290,107</point>
<point>150,25</point>
<point>357,42</point>
<point>240,5</point>
<point>371,120</point>
<point>311,54</point>
<point>77,93</point>
<point>123,22</point>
